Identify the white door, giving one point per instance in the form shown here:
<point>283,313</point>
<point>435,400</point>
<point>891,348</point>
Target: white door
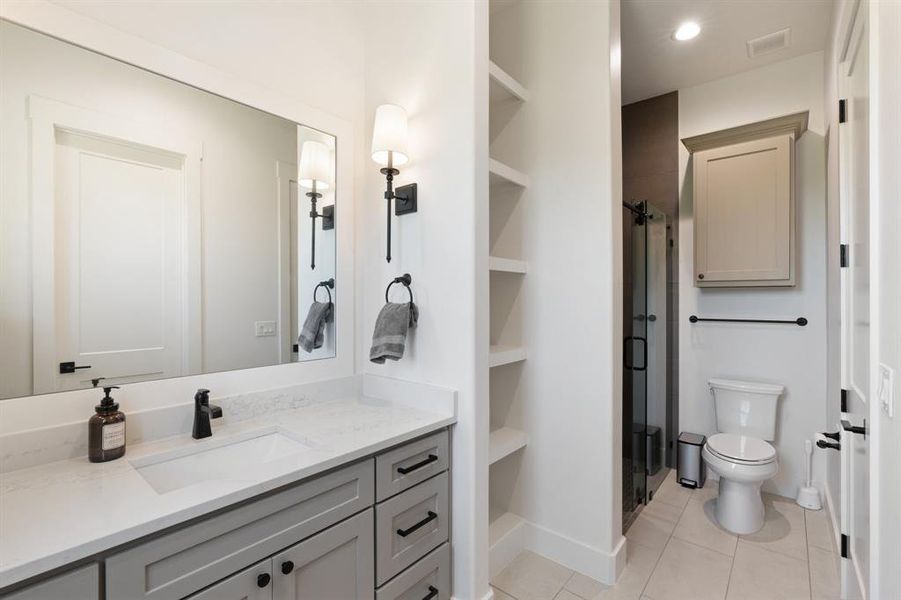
<point>116,240</point>
<point>855,217</point>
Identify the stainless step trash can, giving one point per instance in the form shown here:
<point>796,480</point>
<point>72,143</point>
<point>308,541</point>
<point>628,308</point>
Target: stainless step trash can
<point>692,471</point>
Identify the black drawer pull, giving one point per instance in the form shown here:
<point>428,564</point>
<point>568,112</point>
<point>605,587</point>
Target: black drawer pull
<point>405,532</point>
<point>433,591</point>
<point>404,470</point>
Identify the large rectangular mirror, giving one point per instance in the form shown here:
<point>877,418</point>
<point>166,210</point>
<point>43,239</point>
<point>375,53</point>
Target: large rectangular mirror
<point>150,229</point>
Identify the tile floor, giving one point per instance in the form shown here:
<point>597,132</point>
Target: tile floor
<point>676,551</point>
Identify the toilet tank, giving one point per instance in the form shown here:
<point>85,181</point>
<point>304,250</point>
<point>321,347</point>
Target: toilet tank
<point>745,407</point>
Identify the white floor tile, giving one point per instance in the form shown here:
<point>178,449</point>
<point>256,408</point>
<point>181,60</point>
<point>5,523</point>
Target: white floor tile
<point>824,577</point>
<point>698,525</point>
<point>584,586</point>
<point>819,529</point>
<point>759,573</point>
<point>689,572</point>
<point>532,577</point>
<point>672,493</point>
<point>565,595</point>
<point>784,530</point>
<point>654,525</point>
<point>499,595</point>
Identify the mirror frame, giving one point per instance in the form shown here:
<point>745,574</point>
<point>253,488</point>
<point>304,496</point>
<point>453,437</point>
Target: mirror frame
<point>55,21</point>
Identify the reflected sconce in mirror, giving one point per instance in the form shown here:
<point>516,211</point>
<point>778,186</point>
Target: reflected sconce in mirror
<point>315,175</point>
<point>389,148</point>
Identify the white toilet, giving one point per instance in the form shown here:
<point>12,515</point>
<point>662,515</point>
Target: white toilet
<point>741,453</point>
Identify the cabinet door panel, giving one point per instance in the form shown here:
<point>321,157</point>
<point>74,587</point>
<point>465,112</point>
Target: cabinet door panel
<point>744,213</point>
<point>254,583</point>
<point>337,564</point>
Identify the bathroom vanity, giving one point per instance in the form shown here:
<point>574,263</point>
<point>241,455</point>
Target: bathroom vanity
<point>342,498</point>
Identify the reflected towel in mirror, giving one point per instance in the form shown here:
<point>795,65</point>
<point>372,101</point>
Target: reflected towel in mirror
<point>312,333</point>
<point>390,335</point>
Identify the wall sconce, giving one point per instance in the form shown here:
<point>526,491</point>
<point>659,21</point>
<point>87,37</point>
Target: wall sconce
<point>315,174</point>
<point>389,148</point>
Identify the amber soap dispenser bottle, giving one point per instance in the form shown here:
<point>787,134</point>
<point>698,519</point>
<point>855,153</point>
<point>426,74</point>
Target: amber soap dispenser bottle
<point>106,430</point>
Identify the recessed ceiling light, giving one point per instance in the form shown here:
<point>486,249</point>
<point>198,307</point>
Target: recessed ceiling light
<point>686,31</point>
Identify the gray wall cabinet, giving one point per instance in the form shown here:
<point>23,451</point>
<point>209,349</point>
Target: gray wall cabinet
<point>325,537</point>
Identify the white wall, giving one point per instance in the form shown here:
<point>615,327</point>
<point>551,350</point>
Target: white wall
<point>789,355</point>
<point>430,70</point>
<point>885,192</point>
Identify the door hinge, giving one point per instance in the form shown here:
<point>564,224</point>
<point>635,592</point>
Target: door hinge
<point>843,257</point>
<point>846,550</point>
<point>844,400</point>
<point>842,110</point>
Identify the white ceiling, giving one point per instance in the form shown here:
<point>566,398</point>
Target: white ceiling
<point>653,63</point>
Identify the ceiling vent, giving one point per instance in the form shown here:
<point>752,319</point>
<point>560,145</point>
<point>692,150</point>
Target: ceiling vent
<point>769,43</point>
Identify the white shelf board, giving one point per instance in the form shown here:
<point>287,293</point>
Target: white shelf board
<point>507,265</point>
<point>505,441</point>
<point>506,539</point>
<point>504,86</point>
<point>504,355</point>
<point>499,174</point>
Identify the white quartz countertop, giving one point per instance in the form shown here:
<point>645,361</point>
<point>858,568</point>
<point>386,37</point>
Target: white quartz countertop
<point>58,513</point>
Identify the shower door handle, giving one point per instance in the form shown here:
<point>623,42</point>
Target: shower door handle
<point>644,353</point>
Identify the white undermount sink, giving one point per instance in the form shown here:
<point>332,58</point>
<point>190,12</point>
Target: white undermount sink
<point>239,458</point>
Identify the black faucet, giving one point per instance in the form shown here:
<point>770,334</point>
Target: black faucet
<point>203,412</point>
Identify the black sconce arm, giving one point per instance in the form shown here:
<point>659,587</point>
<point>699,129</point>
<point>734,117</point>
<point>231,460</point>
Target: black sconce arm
<point>404,197</point>
<point>328,221</point>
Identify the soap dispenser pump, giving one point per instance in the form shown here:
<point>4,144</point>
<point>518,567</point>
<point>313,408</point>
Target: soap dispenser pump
<point>106,429</point>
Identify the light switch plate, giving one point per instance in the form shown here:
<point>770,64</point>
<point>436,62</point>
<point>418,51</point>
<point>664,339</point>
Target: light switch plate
<point>885,390</point>
<point>264,328</point>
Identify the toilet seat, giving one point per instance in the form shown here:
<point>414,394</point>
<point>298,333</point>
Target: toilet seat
<point>741,449</point>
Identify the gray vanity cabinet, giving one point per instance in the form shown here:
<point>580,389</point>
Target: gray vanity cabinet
<point>337,563</point>
<point>80,584</point>
<point>254,583</point>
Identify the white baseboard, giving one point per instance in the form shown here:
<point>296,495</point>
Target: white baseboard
<point>576,555</point>
<point>834,517</point>
<point>488,596</point>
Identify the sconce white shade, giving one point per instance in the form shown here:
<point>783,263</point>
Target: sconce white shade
<point>315,165</point>
<point>389,135</point>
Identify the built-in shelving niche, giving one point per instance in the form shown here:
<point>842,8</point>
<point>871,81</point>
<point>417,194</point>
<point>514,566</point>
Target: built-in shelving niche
<point>508,356</point>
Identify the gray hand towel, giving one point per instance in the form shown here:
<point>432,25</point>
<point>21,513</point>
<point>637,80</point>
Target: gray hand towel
<point>313,331</point>
<point>390,336</point>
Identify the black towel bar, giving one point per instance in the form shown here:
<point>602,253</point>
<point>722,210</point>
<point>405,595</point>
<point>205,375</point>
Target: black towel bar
<point>329,285</point>
<point>404,279</point>
<point>800,321</point>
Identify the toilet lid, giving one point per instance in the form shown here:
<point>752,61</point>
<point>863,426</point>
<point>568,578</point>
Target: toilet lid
<point>741,448</point>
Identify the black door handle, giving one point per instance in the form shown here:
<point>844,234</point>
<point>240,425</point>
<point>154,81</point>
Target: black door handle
<point>830,445</point>
<point>644,353</point>
<point>69,367</point>
<point>263,579</point>
<point>861,429</point>
<point>433,591</point>
<point>837,436</point>
<point>287,567</point>
<point>404,470</point>
<point>405,532</point>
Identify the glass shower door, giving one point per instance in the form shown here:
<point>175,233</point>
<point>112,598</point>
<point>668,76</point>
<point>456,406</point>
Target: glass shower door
<point>635,358</point>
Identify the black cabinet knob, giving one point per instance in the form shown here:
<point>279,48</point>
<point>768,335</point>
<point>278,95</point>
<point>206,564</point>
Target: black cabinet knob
<point>263,579</point>
<point>700,276</point>
<point>287,567</point>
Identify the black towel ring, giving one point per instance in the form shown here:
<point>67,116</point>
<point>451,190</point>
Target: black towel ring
<point>404,279</point>
<point>328,284</point>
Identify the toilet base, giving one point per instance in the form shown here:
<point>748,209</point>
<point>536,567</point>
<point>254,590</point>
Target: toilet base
<point>739,507</point>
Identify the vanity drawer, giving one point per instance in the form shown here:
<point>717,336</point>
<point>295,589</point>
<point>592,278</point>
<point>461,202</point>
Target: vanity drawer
<point>429,578</point>
<point>177,564</point>
<point>80,584</point>
<point>404,467</point>
<point>410,525</point>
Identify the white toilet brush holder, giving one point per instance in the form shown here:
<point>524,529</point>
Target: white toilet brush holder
<point>809,496</point>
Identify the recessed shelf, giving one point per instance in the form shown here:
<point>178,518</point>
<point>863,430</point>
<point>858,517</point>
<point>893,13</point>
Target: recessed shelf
<point>505,441</point>
<point>505,355</point>
<point>499,174</point>
<point>503,86</point>
<point>506,265</point>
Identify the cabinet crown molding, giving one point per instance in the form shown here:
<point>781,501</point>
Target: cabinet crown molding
<point>795,124</point>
